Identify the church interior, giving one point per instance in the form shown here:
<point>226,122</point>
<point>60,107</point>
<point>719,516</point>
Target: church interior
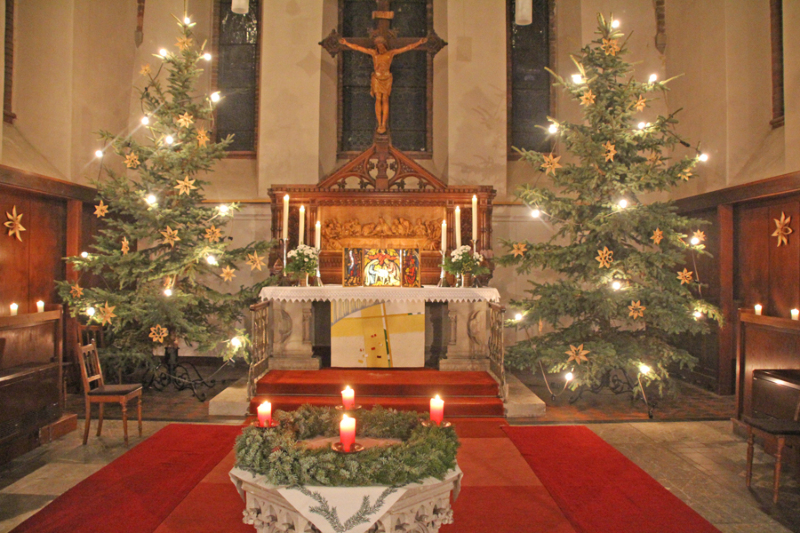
<point>317,266</point>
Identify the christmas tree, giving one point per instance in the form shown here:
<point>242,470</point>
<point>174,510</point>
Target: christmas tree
<point>623,294</point>
<point>161,251</point>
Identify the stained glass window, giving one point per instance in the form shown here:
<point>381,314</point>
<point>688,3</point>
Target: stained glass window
<point>408,103</point>
<point>237,76</point>
<point>529,82</point>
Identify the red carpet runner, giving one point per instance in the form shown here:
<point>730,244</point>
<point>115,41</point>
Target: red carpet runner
<point>598,489</point>
<point>136,492</point>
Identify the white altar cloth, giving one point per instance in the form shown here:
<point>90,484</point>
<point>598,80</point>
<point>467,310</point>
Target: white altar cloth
<point>332,293</point>
<point>332,509</point>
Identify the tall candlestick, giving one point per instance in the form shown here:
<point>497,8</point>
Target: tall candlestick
<point>348,398</point>
<point>265,414</point>
<point>347,432</point>
<point>458,227</point>
<point>285,234</point>
<point>14,309</point>
<point>475,221</point>
<point>302,239</point>
<point>758,309</point>
<point>317,233</point>
<point>40,306</point>
<point>795,314</point>
<point>444,237</point>
<point>437,410</point>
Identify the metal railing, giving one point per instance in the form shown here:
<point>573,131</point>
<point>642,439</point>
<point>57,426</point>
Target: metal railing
<point>262,345</point>
<point>497,349</point>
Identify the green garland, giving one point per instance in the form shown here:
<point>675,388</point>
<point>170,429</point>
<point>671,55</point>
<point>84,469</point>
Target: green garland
<point>277,454</point>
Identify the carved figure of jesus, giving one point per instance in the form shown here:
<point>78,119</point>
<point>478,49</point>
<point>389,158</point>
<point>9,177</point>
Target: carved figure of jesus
<point>381,81</point>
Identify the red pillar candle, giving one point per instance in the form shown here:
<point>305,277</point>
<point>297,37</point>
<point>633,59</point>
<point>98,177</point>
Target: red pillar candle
<point>347,432</point>
<point>265,414</point>
<point>348,398</point>
<point>437,410</point>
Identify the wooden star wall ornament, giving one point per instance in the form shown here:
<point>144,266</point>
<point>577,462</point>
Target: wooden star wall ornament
<point>605,257</point>
<point>577,354</point>
<point>184,43</point>
<point>106,313</point>
<point>636,309</point>
<point>610,151</point>
<point>75,291</point>
<point>519,249</point>
<point>686,277</point>
<point>146,70</point>
<point>14,224</point>
<point>588,97</point>
<point>100,209</point>
<point>202,137</point>
<point>640,104</point>
<point>254,261</point>
<point>185,186</point>
<point>657,237</point>
<point>610,47</point>
<point>131,161</point>
<point>170,236</point>
<point>782,231</point>
<point>228,273</point>
<point>550,164</point>
<point>126,246</point>
<point>158,333</point>
<point>185,120</point>
<point>213,234</point>
<point>699,235</point>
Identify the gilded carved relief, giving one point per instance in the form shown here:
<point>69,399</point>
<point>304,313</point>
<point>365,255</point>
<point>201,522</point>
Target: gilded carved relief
<point>424,234</point>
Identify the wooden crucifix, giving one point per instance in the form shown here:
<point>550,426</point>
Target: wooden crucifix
<point>382,44</point>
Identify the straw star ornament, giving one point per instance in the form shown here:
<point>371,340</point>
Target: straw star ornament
<point>657,237</point>
<point>228,273</point>
<point>610,47</point>
<point>686,276</point>
<point>158,333</point>
<point>106,313</point>
<point>519,249</point>
<point>185,186</point>
<point>685,175</point>
<point>588,97</point>
<point>146,70</point>
<point>640,104</point>
<point>577,354</point>
<point>131,161</point>
<point>699,235</point>
<point>170,236</point>
<point>185,120</point>
<point>75,291</point>
<point>213,234</point>
<point>202,137</point>
<point>550,164</point>
<point>101,209</point>
<point>126,246</point>
<point>636,309</point>
<point>254,261</point>
<point>782,232</point>
<point>605,257</point>
<point>654,158</point>
<point>184,43</point>
<point>611,151</point>
<point>14,224</point>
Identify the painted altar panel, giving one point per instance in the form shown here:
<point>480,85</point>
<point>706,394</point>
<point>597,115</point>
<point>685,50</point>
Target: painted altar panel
<point>381,335</point>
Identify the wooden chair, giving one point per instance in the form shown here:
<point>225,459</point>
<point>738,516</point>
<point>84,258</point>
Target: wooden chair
<point>96,391</point>
<point>783,430</point>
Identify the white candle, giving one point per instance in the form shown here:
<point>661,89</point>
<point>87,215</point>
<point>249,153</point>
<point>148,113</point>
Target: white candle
<point>317,235</point>
<point>285,234</point>
<point>475,220</point>
<point>14,309</point>
<point>40,306</point>
<point>758,309</point>
<point>302,239</point>
<point>795,314</point>
<point>444,237</point>
<point>458,227</point>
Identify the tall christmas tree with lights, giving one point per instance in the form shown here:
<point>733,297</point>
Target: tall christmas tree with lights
<point>162,253</point>
<point>622,294</point>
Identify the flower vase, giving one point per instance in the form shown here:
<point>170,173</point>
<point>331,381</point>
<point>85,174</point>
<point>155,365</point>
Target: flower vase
<point>466,279</point>
<point>302,280</point>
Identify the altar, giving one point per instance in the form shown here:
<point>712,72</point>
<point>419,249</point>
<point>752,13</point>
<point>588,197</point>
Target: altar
<point>285,322</point>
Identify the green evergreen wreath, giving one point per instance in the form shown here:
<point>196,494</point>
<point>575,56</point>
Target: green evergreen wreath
<point>279,455</point>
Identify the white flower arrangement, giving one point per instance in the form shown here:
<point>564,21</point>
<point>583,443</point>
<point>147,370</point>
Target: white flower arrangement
<point>463,260</point>
<point>303,259</point>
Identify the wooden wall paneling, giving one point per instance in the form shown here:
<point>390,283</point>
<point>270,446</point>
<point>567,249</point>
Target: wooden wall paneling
<point>784,262</point>
<point>751,250</point>
<point>726,349</point>
<point>14,254</point>
<point>47,235</point>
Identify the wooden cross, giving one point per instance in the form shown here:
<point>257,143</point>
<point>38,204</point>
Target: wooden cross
<point>384,16</point>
